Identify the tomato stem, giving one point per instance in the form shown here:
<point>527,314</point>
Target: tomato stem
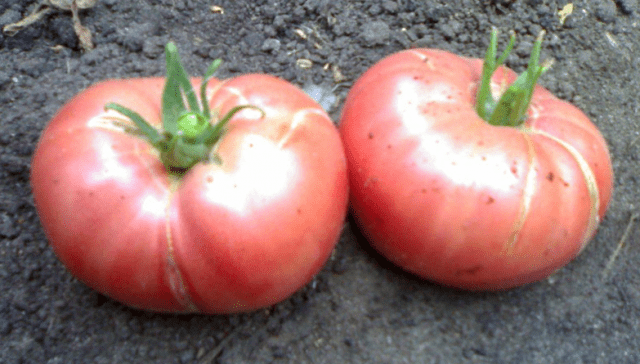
<point>211,135</point>
<point>189,130</point>
<point>203,87</point>
<point>511,108</point>
<point>152,134</point>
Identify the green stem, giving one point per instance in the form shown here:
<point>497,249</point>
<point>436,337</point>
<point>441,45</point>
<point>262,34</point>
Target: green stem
<point>152,134</point>
<point>511,108</point>
<point>189,133</point>
<point>203,87</point>
<point>484,100</point>
<point>211,135</point>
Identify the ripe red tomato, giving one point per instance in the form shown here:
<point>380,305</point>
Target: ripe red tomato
<point>445,195</point>
<point>223,237</point>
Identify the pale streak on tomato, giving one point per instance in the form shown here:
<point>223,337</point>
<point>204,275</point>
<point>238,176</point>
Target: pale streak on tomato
<point>451,198</point>
<point>300,118</point>
<point>590,180</point>
<point>112,120</point>
<point>528,193</point>
<point>173,273</point>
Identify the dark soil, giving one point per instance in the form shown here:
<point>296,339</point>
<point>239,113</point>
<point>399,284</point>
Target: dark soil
<point>359,309</point>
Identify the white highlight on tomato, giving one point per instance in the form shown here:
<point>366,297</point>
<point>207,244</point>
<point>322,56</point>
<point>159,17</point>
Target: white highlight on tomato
<point>152,205</point>
<point>453,161</point>
<point>262,170</point>
<point>411,99</point>
<point>113,169</point>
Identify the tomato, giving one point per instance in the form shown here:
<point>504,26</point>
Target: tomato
<point>450,197</point>
<point>238,232</point>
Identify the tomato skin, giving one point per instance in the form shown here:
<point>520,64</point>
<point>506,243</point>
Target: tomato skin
<point>223,238</point>
<point>453,199</point>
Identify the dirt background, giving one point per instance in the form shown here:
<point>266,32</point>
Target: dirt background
<point>359,309</point>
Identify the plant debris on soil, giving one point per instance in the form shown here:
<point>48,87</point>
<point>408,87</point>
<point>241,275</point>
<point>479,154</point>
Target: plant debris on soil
<point>359,308</point>
<point>45,7</point>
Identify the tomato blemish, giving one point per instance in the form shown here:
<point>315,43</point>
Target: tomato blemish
<point>370,180</point>
<point>550,176</point>
<point>469,271</point>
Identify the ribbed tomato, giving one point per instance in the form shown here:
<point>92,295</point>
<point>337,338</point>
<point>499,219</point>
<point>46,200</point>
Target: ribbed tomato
<point>452,198</point>
<point>240,230</point>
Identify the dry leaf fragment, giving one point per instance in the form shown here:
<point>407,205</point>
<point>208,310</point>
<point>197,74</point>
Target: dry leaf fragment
<point>565,12</point>
<point>67,4</point>
<point>45,7</point>
<point>57,48</point>
<point>304,63</point>
<point>300,33</point>
<point>337,74</point>
<point>38,12</point>
<point>84,34</point>
<point>217,9</point>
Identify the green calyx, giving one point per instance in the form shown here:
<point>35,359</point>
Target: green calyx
<point>189,131</point>
<point>511,108</point>
<point>192,124</point>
